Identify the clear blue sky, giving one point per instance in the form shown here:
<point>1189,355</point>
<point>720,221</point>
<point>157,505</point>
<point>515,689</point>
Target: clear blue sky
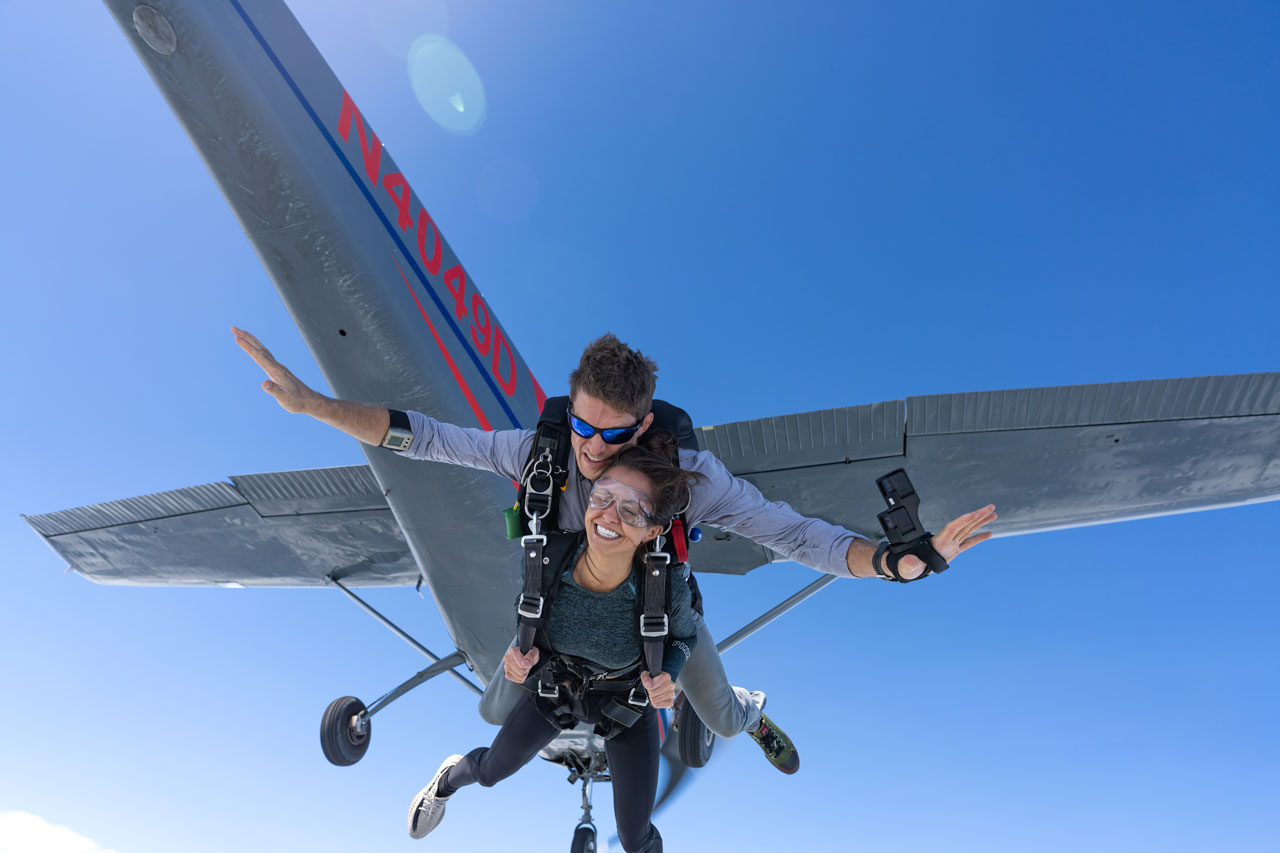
<point>992,195</point>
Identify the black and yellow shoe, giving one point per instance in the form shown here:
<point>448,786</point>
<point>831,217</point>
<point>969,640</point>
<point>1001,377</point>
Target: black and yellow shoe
<point>777,747</point>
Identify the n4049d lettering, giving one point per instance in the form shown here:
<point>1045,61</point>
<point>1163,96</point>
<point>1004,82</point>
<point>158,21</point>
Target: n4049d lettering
<point>485,334</point>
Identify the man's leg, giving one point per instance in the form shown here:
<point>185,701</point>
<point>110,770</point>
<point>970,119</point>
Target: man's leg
<point>500,697</point>
<point>724,709</point>
<point>727,710</point>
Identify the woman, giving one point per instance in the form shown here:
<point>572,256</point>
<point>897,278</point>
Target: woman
<point>591,628</point>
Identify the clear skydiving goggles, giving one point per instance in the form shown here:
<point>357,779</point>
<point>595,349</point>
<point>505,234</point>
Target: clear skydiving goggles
<point>634,507</point>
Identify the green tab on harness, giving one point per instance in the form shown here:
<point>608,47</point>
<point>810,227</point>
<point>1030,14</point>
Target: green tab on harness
<point>512,516</point>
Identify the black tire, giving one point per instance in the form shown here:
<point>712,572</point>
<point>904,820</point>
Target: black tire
<point>584,839</point>
<point>695,739</point>
<point>341,745</point>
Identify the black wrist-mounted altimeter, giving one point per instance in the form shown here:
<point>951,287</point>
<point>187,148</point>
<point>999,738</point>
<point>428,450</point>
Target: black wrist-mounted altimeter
<point>399,435</point>
<point>904,534</point>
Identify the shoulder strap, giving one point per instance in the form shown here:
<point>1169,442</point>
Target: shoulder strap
<point>546,471</point>
<point>543,557</point>
<point>652,600</point>
<point>675,420</point>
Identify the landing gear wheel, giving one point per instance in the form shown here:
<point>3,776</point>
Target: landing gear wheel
<point>343,743</point>
<point>695,739</point>
<point>584,839</point>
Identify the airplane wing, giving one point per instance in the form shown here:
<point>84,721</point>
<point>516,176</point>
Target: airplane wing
<point>289,529</point>
<point>1048,458</point>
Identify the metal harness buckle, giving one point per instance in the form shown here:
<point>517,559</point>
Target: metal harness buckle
<point>525,602</point>
<point>639,701</point>
<point>645,632</point>
<point>658,556</point>
<point>540,471</point>
<point>553,694</point>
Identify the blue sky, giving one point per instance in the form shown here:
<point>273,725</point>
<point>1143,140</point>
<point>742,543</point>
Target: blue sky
<point>993,195</point>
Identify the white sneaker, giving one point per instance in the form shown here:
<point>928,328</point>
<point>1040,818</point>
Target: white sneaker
<point>427,810</point>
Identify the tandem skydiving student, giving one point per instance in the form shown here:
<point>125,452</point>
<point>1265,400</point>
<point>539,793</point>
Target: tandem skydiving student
<point>587,663</point>
<point>610,408</point>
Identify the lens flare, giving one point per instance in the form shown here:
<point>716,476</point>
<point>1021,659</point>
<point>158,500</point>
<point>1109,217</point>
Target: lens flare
<point>446,84</point>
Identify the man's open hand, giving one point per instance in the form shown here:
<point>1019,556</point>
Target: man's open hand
<point>955,538</point>
<point>290,391</point>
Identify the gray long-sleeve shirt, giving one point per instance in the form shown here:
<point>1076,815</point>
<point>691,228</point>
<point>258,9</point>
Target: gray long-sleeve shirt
<point>720,500</point>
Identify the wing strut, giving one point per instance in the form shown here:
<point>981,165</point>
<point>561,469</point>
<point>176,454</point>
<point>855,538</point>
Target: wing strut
<point>769,615</point>
<point>430,672</point>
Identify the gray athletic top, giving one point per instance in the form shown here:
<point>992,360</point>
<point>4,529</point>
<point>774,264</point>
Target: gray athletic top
<point>720,500</point>
<point>601,626</point>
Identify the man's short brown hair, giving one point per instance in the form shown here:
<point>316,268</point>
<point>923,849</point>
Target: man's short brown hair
<point>617,375</point>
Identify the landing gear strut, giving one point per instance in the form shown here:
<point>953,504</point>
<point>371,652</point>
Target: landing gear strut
<point>584,835</point>
<point>347,724</point>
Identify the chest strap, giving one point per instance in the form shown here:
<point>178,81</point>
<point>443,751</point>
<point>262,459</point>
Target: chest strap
<point>655,624</point>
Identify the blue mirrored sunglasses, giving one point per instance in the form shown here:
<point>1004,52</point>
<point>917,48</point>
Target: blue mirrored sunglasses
<point>611,435</point>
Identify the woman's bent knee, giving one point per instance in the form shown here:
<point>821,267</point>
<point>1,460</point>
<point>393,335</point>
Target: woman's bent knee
<point>645,841</point>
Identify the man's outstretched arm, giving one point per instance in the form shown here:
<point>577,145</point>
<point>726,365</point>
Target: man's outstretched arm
<point>735,505</point>
<point>361,421</point>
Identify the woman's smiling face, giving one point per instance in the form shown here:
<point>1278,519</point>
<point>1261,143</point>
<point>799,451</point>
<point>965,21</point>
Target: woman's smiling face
<point>606,530</point>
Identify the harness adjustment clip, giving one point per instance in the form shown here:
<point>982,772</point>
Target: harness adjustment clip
<point>639,701</point>
<point>526,605</point>
<point>646,621</point>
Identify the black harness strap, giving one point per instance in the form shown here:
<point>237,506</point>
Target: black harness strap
<point>546,473</point>
<point>529,609</point>
<point>655,624</point>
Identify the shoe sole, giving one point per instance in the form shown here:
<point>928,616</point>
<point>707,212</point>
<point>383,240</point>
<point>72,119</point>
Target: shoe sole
<point>427,792</point>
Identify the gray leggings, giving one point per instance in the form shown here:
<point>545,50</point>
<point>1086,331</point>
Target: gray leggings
<point>726,710</point>
<point>633,767</point>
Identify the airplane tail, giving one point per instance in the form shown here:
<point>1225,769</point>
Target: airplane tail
<point>387,310</point>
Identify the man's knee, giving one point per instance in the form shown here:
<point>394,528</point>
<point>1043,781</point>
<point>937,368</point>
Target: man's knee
<point>491,714</point>
<point>718,705</point>
<point>500,697</point>
<point>724,725</point>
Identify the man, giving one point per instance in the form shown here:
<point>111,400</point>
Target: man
<point>611,392</point>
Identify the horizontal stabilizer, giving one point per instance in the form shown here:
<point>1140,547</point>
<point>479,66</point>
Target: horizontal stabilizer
<point>292,528</point>
<point>1047,458</point>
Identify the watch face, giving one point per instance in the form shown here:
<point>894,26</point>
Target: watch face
<point>398,439</point>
